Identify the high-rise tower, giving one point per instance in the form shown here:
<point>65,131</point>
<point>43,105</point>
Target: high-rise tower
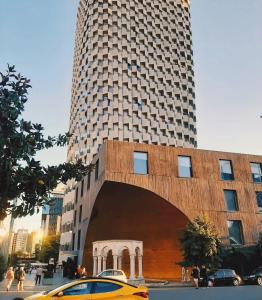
<point>133,77</point>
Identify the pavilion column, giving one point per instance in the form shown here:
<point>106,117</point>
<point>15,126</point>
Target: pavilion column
<point>120,262</point>
<point>140,267</point>
<point>104,263</point>
<point>115,257</point>
<point>94,265</point>
<point>132,266</point>
<point>99,260</point>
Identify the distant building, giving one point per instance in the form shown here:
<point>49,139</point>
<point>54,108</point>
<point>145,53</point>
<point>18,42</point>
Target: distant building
<point>52,214</point>
<point>32,240</point>
<point>20,241</point>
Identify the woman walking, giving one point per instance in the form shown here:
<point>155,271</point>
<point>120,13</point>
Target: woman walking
<point>9,278</point>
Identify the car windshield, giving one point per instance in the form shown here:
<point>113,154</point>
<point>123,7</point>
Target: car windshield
<point>257,270</point>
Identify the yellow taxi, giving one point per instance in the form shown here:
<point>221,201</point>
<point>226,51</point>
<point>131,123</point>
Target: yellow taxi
<point>94,288</point>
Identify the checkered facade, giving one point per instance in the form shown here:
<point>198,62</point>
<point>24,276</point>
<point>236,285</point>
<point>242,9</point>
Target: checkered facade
<point>133,77</point>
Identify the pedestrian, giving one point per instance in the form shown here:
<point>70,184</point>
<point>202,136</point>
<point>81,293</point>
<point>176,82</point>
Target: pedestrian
<point>10,275</point>
<point>21,279</point>
<point>38,275</point>
<point>78,272</point>
<point>195,274</point>
<point>203,276</point>
<point>83,272</point>
<point>183,274</point>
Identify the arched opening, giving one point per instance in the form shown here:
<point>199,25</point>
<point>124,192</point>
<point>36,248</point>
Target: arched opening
<point>125,261</point>
<point>109,260</point>
<point>126,212</point>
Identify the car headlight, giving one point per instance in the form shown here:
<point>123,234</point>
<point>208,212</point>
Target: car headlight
<point>252,276</point>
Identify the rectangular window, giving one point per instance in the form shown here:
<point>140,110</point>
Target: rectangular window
<point>226,172</point>
<point>140,163</point>
<point>97,169</point>
<point>73,241</point>
<point>75,218</point>
<point>184,167</point>
<point>76,196</point>
<point>235,232</point>
<point>88,181</point>
<point>78,239</point>
<point>256,172</point>
<point>80,213</point>
<point>259,201</point>
<point>82,188</point>
<point>231,200</point>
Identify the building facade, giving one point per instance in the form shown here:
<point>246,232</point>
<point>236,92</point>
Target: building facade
<point>52,214</point>
<point>20,241</point>
<point>133,77</point>
<point>162,188</point>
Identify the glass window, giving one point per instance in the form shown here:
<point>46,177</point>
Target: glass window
<point>105,287</point>
<point>73,241</point>
<point>78,289</point>
<point>88,181</point>
<point>259,201</point>
<point>231,200</point>
<point>78,239</point>
<point>82,188</point>
<point>184,166</point>
<point>80,213</point>
<point>219,274</point>
<point>256,172</point>
<point>235,232</point>
<point>97,170</point>
<point>140,163</point>
<point>226,170</point>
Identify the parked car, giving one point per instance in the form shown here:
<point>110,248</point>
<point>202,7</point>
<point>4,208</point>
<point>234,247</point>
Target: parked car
<point>114,274</point>
<point>94,288</point>
<point>224,277</point>
<point>255,277</point>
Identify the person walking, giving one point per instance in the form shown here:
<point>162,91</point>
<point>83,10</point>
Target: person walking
<point>21,278</point>
<point>10,275</point>
<point>203,276</point>
<point>195,274</point>
<point>38,275</point>
<point>83,272</point>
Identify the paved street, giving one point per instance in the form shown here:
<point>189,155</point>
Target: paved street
<point>218,293</point>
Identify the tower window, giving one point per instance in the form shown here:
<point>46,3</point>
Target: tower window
<point>140,163</point>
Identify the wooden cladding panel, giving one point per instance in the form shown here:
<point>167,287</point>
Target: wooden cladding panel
<point>202,194</point>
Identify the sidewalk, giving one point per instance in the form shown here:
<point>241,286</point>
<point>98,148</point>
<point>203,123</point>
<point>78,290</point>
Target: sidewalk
<point>29,283</point>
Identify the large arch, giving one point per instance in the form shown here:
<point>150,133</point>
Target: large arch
<point>123,211</point>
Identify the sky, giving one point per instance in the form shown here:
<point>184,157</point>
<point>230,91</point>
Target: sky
<point>38,38</point>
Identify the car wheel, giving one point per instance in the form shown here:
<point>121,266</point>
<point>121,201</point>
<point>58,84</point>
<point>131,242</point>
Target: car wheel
<point>235,282</point>
<point>259,280</point>
<point>210,283</point>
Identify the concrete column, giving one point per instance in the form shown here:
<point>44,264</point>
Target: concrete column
<point>132,266</point>
<point>140,267</point>
<point>115,257</point>
<point>94,265</point>
<point>120,262</point>
<point>104,263</point>
<point>99,260</point>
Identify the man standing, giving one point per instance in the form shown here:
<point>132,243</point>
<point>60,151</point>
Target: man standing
<point>39,272</point>
<point>203,275</point>
<point>195,274</point>
<point>21,279</point>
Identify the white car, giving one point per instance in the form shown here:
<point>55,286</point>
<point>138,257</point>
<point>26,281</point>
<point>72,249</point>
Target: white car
<point>114,274</point>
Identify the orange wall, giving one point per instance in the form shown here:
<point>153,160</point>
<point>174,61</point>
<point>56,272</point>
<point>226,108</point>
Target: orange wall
<point>125,212</point>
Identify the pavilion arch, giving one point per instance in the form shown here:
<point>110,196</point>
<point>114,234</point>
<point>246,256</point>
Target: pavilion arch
<point>117,247</point>
<point>127,212</point>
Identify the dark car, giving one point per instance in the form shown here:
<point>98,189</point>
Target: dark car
<point>224,277</point>
<point>255,277</point>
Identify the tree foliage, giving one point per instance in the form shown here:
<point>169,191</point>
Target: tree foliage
<point>200,243</point>
<point>3,264</point>
<point>50,248</point>
<point>21,175</point>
